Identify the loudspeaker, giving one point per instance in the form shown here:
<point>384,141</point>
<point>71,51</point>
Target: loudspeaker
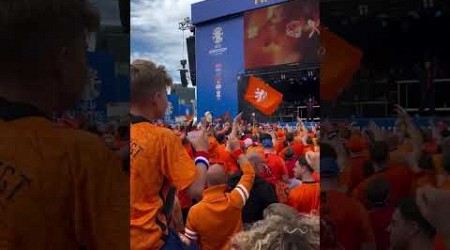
<point>124,8</point>
<point>190,42</point>
<point>183,77</point>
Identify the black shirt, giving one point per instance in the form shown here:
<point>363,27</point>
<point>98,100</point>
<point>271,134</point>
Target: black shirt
<point>262,195</point>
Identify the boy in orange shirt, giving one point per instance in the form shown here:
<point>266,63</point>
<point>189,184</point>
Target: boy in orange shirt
<point>60,188</point>
<point>218,216</point>
<point>160,165</point>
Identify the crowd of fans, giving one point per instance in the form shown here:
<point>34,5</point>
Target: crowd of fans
<point>285,164</point>
<point>373,182</point>
<point>234,185</point>
<point>116,136</point>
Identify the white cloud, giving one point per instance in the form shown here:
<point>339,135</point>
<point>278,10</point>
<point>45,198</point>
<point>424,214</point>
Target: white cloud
<point>155,34</point>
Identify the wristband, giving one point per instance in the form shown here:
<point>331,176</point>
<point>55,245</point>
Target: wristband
<point>235,154</point>
<point>202,157</point>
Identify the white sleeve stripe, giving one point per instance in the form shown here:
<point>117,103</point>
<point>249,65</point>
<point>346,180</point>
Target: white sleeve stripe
<point>242,194</point>
<point>247,195</point>
<point>191,237</point>
<point>188,231</point>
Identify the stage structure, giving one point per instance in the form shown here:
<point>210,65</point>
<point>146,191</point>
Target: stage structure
<point>275,40</point>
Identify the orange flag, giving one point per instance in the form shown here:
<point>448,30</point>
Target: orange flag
<point>340,61</point>
<point>263,97</point>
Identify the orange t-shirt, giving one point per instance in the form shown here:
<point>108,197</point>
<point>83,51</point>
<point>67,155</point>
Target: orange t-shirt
<point>353,174</point>
<point>218,216</point>
<point>158,161</point>
<point>276,165</point>
<point>356,171</point>
<point>279,146</point>
<point>61,188</point>
<point>350,220</point>
<point>299,149</point>
<point>400,178</point>
<point>305,198</point>
<point>380,219</point>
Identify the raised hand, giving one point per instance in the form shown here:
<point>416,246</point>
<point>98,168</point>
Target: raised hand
<point>201,142</point>
<point>379,134</point>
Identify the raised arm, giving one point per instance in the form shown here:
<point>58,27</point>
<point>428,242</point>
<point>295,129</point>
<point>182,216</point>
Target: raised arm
<point>240,194</point>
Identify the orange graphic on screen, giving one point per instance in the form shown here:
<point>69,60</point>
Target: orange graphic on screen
<point>282,34</point>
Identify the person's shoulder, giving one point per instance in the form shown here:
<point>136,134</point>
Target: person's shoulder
<point>196,209</point>
<point>147,129</point>
<point>78,137</point>
<point>276,157</point>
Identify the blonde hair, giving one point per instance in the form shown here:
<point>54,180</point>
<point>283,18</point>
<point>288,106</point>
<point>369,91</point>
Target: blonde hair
<point>34,30</point>
<point>282,229</point>
<point>147,78</point>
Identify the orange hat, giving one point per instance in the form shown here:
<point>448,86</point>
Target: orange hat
<point>356,144</point>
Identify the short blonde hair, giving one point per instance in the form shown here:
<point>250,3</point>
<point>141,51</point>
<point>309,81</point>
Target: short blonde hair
<point>147,78</point>
<point>32,31</point>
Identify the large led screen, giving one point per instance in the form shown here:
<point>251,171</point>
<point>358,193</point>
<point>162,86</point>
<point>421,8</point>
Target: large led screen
<point>282,34</point>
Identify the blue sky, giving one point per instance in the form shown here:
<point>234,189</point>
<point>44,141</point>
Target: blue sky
<point>155,34</point>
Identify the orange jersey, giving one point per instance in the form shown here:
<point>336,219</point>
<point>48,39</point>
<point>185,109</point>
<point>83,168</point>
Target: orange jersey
<point>279,146</point>
<point>60,188</point>
<point>350,220</point>
<point>277,167</point>
<point>217,217</point>
<point>399,177</point>
<point>356,171</point>
<point>299,149</point>
<point>158,162</point>
<point>305,198</point>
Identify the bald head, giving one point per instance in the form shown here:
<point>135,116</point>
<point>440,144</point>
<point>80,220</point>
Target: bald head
<point>216,175</point>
